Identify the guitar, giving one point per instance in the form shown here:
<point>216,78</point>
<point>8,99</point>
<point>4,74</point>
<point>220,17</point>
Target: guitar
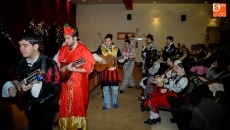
<point>33,77</point>
<point>65,73</point>
<point>109,61</point>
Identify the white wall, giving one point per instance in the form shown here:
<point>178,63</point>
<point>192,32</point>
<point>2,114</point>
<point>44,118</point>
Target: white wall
<point>103,19</point>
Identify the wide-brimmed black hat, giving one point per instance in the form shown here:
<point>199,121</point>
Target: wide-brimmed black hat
<point>150,36</point>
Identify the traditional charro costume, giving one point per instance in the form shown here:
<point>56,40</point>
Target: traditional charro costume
<point>110,76</point>
<point>74,95</point>
<point>128,68</point>
<point>40,104</point>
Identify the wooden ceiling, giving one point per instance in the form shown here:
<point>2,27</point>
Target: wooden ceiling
<point>129,3</point>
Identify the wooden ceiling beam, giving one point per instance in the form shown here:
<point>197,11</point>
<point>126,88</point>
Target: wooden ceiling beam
<point>128,4</point>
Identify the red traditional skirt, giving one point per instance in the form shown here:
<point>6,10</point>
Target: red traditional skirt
<point>157,99</point>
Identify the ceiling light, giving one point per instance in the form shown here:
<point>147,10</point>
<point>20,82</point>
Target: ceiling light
<point>206,2</point>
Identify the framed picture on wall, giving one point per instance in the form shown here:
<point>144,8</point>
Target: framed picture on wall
<point>130,35</point>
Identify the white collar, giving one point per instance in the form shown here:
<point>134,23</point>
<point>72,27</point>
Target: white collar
<point>170,44</point>
<point>112,46</point>
<point>31,63</point>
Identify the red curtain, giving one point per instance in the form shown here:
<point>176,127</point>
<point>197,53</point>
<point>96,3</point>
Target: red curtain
<point>16,12</point>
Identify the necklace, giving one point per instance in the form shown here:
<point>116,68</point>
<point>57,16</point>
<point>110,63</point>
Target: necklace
<point>67,54</point>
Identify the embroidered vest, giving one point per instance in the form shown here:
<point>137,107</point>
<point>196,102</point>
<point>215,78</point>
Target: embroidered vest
<point>112,51</point>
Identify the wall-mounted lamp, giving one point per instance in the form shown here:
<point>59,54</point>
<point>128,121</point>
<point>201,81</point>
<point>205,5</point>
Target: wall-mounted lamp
<point>213,19</point>
<point>156,17</point>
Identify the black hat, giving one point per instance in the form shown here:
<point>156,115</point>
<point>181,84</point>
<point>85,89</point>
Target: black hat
<point>150,36</point>
<point>109,36</point>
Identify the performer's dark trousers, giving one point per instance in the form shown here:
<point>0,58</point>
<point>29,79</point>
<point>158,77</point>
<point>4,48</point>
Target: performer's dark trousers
<point>41,117</point>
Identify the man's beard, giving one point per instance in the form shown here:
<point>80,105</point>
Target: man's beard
<point>71,44</point>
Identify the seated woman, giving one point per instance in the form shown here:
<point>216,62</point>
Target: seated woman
<point>209,58</point>
<point>151,72</point>
<point>161,90</point>
<point>215,71</point>
<point>170,72</point>
<point>216,76</point>
<point>184,58</point>
<point>146,81</point>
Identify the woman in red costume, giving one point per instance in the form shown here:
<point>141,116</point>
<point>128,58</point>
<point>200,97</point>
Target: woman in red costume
<point>163,89</point>
<point>146,83</point>
<point>74,92</point>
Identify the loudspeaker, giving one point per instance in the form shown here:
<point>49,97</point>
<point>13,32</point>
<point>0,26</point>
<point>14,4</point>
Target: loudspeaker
<point>129,16</point>
<point>183,17</point>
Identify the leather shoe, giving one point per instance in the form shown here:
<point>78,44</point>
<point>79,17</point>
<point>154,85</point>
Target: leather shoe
<point>156,120</point>
<point>141,98</point>
<point>121,91</point>
<point>149,121</point>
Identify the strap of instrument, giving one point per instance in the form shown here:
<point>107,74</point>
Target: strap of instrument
<point>44,64</point>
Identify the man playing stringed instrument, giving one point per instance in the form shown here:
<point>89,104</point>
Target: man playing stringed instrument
<point>41,98</point>
<point>110,75</point>
<point>74,95</point>
<point>128,66</point>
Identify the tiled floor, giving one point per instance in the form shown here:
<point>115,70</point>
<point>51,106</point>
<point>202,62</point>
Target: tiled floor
<point>127,116</point>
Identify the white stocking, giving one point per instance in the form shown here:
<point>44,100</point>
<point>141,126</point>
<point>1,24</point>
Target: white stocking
<point>153,115</point>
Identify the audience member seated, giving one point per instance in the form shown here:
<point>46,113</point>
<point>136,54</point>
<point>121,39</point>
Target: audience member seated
<point>217,86</point>
<point>178,49</point>
<point>206,87</point>
<point>209,115</point>
<point>193,52</point>
<point>184,58</point>
<point>200,54</point>
<point>163,89</point>
<point>213,72</point>
<point>208,58</point>
<point>163,65</point>
<point>147,81</point>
